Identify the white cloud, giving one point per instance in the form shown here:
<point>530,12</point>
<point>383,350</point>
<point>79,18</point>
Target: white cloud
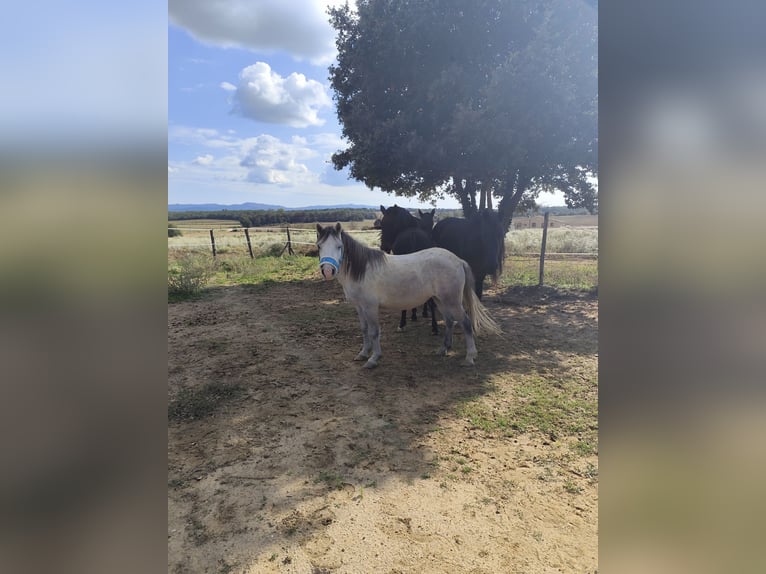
<point>206,159</point>
<point>228,87</point>
<point>299,27</point>
<point>201,136</point>
<point>265,96</point>
<point>269,160</point>
<point>263,159</point>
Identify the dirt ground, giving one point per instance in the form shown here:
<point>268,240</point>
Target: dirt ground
<point>286,456</point>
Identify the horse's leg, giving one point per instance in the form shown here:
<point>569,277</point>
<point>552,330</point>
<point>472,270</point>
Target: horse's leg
<point>449,323</point>
<point>403,321</point>
<point>470,341</point>
<point>414,314</point>
<point>366,343</point>
<point>480,284</point>
<point>425,308</point>
<point>373,333</point>
<point>434,329</point>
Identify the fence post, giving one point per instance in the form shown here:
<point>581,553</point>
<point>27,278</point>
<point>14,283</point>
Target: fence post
<point>542,247</point>
<point>249,246</point>
<point>288,245</point>
<point>212,241</point>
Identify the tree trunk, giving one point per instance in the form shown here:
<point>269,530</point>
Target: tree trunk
<point>470,190</point>
<point>483,200</point>
<point>512,195</point>
<point>459,190</point>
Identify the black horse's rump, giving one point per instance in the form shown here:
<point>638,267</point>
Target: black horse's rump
<point>411,240</point>
<point>402,233</point>
<point>478,240</point>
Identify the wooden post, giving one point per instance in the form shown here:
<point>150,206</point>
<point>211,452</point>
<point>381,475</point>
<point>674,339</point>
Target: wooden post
<point>542,247</point>
<point>212,241</point>
<point>288,245</point>
<point>249,246</point>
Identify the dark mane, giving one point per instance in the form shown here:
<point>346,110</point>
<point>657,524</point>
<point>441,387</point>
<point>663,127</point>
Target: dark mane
<point>358,258</point>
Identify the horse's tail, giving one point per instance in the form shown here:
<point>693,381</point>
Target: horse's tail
<point>480,317</point>
<point>493,243</point>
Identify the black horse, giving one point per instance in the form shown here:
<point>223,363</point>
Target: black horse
<point>478,240</point>
<point>402,233</point>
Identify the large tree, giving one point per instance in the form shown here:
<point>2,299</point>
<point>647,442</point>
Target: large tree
<point>494,97</point>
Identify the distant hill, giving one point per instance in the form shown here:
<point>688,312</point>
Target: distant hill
<point>259,206</point>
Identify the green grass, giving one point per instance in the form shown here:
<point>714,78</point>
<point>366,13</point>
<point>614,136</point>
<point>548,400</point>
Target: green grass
<point>572,488</point>
<point>190,273</point>
<point>569,273</point>
<point>264,270</point>
<point>566,409</point>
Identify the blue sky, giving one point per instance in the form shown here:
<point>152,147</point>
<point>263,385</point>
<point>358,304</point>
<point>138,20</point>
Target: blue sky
<point>250,111</point>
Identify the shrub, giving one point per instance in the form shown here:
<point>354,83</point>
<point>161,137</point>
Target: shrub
<point>189,274</point>
<point>173,231</point>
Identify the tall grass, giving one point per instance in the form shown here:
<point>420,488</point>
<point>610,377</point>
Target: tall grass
<point>559,240</point>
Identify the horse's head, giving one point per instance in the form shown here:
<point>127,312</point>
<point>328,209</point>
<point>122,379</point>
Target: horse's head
<point>426,222</point>
<point>330,245</point>
<point>395,220</point>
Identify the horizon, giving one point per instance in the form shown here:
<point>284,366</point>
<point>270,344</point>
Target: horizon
<point>355,205</point>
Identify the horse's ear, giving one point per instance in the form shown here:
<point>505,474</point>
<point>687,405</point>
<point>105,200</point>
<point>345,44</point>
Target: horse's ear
<point>382,209</point>
<point>319,230</point>
<point>433,212</point>
<point>420,213</point>
<point>337,227</point>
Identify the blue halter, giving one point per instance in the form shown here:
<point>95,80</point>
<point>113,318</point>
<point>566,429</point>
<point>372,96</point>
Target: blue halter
<point>332,262</point>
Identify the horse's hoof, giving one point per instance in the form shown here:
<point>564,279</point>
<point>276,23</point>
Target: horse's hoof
<point>370,365</point>
<point>360,357</point>
<point>467,363</point>
<point>399,329</point>
<point>442,352</point>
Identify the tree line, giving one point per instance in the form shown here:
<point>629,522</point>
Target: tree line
<point>262,218</point>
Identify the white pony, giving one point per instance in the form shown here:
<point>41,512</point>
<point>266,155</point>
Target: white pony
<point>372,280</point>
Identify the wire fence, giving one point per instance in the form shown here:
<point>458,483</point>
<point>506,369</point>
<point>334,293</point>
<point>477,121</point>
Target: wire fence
<point>570,242</point>
<point>236,238</point>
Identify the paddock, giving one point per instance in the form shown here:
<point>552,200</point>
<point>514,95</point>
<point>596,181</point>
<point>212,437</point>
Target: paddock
<point>286,456</point>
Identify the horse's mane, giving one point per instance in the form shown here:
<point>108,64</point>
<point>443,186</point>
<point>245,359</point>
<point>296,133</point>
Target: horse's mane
<point>358,258</point>
<point>395,220</point>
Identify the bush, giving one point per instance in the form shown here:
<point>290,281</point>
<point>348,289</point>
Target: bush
<point>173,231</point>
<point>189,275</point>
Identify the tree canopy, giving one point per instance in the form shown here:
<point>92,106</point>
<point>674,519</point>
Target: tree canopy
<point>496,98</point>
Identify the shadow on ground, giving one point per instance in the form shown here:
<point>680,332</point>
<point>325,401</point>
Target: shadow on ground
<point>289,419</point>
